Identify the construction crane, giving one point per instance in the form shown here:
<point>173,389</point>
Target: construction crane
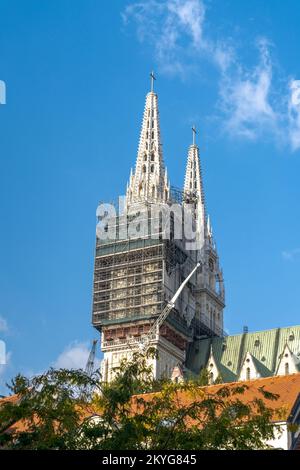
<point>89,368</point>
<point>144,343</point>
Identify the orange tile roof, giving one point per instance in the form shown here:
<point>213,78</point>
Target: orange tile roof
<point>9,399</point>
<point>287,387</point>
<point>23,424</point>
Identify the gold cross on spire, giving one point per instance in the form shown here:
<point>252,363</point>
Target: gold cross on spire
<point>152,81</point>
<point>194,134</point>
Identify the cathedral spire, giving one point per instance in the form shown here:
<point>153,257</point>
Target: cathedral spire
<point>193,184</point>
<point>149,181</point>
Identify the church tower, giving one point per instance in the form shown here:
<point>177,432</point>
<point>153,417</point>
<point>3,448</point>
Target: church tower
<point>210,291</point>
<point>158,239</point>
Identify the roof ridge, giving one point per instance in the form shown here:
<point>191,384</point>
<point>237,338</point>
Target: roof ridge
<point>264,331</point>
<point>242,382</point>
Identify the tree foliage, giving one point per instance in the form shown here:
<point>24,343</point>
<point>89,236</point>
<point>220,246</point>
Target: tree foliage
<point>66,409</point>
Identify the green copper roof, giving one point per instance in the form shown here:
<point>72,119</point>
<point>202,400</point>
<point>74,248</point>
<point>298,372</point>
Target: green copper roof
<point>261,368</point>
<point>291,337</point>
<point>265,347</point>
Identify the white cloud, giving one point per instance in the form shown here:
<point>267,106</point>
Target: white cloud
<point>290,255</point>
<point>294,114</point>
<point>174,29</point>
<point>2,352</point>
<point>75,356</point>
<point>190,15</point>
<point>3,366</point>
<point>3,325</point>
<point>223,56</point>
<point>253,101</point>
<point>246,98</point>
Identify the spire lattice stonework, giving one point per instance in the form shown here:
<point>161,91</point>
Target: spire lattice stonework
<point>149,181</point>
<point>193,185</point>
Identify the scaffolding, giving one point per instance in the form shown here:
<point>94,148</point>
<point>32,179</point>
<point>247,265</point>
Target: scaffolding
<point>128,283</point>
<point>130,274</point>
<point>132,277</point>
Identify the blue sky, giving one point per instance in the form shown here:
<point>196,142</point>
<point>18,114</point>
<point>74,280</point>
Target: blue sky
<point>76,75</point>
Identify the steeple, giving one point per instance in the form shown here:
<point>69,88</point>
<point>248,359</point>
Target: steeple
<point>210,293</point>
<point>149,182</point>
<point>193,185</point>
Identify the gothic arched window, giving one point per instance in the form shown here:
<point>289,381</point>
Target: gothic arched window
<point>286,368</point>
<point>153,191</point>
<point>152,157</point>
<point>248,373</point>
<point>152,168</point>
<point>144,168</point>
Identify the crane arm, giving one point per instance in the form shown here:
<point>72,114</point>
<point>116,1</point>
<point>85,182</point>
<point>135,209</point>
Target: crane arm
<point>170,305</point>
<point>89,368</point>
